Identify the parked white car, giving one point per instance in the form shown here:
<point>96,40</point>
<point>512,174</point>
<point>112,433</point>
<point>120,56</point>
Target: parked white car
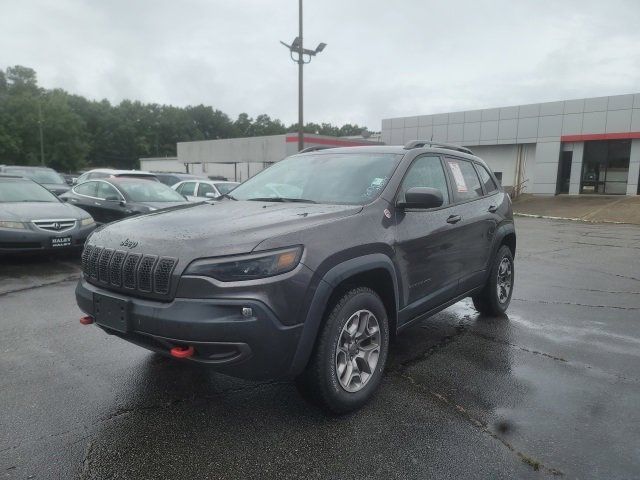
<point>199,190</point>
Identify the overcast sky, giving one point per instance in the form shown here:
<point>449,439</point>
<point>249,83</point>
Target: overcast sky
<point>384,58</point>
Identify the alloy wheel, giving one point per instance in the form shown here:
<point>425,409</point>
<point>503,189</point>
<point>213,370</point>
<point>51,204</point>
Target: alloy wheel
<point>505,273</point>
<point>358,350</point>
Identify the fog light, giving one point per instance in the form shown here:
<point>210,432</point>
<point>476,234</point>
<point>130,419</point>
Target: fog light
<point>247,312</point>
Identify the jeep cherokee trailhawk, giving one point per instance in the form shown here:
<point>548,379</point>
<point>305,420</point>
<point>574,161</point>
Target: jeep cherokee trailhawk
<point>309,268</point>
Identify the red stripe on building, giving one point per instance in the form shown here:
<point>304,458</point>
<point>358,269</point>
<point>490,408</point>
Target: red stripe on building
<point>599,136</point>
<point>329,141</point>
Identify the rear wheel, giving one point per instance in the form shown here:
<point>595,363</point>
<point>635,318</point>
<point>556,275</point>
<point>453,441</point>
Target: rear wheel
<point>495,297</point>
<point>346,365</point>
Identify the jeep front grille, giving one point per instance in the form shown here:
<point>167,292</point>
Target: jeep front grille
<point>128,271</point>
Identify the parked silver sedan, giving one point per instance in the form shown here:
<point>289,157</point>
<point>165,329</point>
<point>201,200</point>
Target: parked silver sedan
<point>200,190</point>
<point>32,219</point>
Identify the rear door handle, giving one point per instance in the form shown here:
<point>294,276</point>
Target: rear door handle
<point>454,218</point>
<point>493,209</point>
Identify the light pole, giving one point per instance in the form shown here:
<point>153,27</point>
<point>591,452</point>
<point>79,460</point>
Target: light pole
<point>41,134</point>
<point>296,47</point>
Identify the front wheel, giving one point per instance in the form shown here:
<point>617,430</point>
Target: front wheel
<point>496,294</point>
<point>346,365</point>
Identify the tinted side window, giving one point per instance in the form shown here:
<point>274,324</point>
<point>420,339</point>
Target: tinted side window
<point>106,191</point>
<point>87,188</point>
<point>487,181</point>
<point>426,172</point>
<point>466,185</point>
<point>205,188</point>
<point>188,188</point>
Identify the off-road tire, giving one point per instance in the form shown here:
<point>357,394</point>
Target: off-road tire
<point>319,382</point>
<point>488,301</point>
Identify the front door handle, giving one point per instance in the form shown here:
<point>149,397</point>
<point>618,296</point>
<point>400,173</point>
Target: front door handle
<point>454,218</point>
<point>493,209</point>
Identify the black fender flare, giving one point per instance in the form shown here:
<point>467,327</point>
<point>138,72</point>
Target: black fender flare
<point>329,281</point>
<point>502,231</point>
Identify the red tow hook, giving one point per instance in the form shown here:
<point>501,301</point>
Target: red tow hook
<point>182,352</point>
<point>86,320</point>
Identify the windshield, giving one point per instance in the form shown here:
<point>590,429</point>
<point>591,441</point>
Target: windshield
<point>148,191</point>
<point>348,178</point>
<point>24,191</point>
<point>225,187</point>
<point>37,175</point>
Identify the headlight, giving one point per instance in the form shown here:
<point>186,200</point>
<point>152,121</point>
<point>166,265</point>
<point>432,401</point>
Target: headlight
<point>247,267</point>
<point>87,221</point>
<point>8,224</point>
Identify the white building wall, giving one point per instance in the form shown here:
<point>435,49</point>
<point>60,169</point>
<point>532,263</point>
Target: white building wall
<point>170,164</point>
<point>634,168</point>
<point>543,125</point>
<point>576,168</point>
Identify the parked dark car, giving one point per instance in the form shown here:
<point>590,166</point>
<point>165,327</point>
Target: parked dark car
<point>112,199</point>
<point>312,285</point>
<point>97,173</point>
<point>32,219</point>
<point>171,178</point>
<point>47,177</point>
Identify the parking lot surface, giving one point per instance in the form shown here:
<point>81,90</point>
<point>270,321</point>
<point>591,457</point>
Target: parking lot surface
<point>551,391</point>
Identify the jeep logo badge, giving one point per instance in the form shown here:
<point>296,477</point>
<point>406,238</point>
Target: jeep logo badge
<point>129,244</point>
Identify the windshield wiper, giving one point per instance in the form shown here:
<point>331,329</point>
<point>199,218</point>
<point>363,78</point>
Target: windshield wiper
<point>281,199</point>
<point>229,196</point>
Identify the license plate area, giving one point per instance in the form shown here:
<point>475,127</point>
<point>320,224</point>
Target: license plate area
<point>57,242</point>
<point>111,312</point>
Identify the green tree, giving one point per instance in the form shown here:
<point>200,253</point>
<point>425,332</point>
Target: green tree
<point>81,132</point>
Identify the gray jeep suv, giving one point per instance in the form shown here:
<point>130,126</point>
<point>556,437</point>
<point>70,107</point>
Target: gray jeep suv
<point>308,269</point>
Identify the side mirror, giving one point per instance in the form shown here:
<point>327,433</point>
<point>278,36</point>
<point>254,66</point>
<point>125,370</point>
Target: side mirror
<point>422,197</point>
<point>74,180</point>
<point>211,195</point>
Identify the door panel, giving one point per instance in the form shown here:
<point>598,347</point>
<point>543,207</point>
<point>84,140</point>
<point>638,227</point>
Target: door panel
<point>85,197</point>
<point>427,249</point>
<point>477,225</point>
<point>108,211</point>
<point>426,243</point>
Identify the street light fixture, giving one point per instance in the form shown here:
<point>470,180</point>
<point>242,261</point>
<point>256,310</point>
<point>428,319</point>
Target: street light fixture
<point>298,53</point>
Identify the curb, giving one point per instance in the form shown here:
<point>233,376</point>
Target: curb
<point>549,217</point>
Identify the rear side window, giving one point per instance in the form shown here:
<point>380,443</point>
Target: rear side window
<point>106,191</point>
<point>426,172</point>
<point>466,185</point>
<point>87,188</point>
<point>188,188</point>
<point>205,188</point>
<point>488,183</point>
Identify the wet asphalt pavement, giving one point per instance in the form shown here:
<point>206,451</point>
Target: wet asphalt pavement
<point>551,391</point>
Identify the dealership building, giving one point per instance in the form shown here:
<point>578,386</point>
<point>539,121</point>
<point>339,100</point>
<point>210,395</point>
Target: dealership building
<point>240,158</point>
<point>584,146</point>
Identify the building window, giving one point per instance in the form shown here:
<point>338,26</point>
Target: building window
<point>605,167</point>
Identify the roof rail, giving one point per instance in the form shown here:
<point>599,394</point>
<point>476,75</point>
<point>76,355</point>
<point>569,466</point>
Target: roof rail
<point>429,143</point>
<point>314,148</point>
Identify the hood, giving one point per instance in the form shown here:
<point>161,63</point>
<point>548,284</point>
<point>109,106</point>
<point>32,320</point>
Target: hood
<point>27,211</point>
<point>215,229</point>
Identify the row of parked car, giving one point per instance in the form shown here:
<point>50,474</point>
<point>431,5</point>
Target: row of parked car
<point>40,212</point>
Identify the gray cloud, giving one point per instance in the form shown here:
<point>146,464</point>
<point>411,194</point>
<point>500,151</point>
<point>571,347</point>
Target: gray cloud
<point>384,58</point>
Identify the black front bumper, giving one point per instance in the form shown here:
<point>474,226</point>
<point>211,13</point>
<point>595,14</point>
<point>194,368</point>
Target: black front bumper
<point>256,347</point>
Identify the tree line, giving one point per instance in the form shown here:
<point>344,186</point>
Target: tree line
<point>72,132</point>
